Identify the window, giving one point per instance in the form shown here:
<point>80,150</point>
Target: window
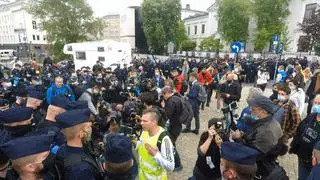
<point>44,37</point>
<point>38,37</point>
<point>203,28</point>
<point>100,49</point>
<point>195,29</point>
<point>81,55</point>
<point>101,58</point>
<point>309,11</point>
<point>69,48</point>
<point>34,37</point>
<point>34,24</point>
<point>188,30</point>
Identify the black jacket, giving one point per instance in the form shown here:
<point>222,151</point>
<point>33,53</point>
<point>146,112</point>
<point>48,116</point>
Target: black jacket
<point>234,89</point>
<point>173,109</point>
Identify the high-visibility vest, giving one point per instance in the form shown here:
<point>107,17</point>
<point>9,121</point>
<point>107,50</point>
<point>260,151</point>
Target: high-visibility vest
<point>148,167</point>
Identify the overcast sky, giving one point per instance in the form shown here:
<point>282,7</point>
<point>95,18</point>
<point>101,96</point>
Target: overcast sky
<point>103,7</point>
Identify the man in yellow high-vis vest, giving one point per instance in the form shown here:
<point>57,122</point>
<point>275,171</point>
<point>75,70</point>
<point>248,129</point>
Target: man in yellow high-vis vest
<point>154,162</point>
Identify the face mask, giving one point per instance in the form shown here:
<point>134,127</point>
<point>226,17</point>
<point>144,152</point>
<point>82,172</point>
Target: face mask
<point>281,98</point>
<point>49,162</point>
<point>229,81</point>
<point>316,108</point>
<point>254,117</point>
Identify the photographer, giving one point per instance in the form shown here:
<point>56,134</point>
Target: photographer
<point>208,163</point>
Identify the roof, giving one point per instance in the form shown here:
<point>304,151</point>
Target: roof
<point>196,16</point>
<point>192,10</point>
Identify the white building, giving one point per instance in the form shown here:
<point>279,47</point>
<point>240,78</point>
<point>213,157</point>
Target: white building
<point>202,24</point>
<point>112,27</point>
<point>300,11</point>
<point>20,31</point>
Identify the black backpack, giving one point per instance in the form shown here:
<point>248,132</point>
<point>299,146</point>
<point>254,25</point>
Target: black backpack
<point>186,114</point>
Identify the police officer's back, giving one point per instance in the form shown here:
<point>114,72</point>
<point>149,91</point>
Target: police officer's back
<point>77,163</point>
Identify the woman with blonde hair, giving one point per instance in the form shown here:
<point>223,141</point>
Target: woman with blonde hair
<point>307,74</point>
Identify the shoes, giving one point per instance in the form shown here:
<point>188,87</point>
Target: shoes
<point>202,108</point>
<point>195,132</point>
<point>186,130</point>
<point>208,105</point>
<point>178,168</point>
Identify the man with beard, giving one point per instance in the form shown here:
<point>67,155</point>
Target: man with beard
<point>17,120</point>
<point>30,156</point>
<point>77,163</point>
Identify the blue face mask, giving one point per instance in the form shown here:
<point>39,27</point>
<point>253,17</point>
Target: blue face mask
<point>254,117</point>
<point>316,108</point>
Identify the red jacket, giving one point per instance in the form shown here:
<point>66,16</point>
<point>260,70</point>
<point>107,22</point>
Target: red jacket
<point>179,82</point>
<point>205,79</point>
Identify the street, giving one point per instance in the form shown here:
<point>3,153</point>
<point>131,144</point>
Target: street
<point>187,143</point>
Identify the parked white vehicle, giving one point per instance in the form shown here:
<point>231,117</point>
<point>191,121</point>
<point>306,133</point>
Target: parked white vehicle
<point>108,52</point>
<point>8,54</point>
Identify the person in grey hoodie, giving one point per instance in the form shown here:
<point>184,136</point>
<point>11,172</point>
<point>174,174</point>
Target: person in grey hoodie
<point>88,96</point>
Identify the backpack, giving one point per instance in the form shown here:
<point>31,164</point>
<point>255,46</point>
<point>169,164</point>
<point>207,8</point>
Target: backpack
<point>202,94</point>
<point>184,86</point>
<point>186,114</point>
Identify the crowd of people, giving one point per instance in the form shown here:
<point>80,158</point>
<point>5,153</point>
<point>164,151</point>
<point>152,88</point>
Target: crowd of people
<point>123,124</point>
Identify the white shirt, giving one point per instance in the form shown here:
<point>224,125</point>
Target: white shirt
<point>263,77</point>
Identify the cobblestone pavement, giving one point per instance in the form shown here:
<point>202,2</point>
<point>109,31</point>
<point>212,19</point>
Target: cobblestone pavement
<point>187,143</point>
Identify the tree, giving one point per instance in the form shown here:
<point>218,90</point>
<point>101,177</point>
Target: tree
<point>161,23</point>
<point>270,19</point>
<point>188,45</point>
<point>234,19</point>
<point>311,27</point>
<point>211,44</point>
<point>66,21</point>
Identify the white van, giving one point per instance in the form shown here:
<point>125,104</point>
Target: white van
<point>8,54</point>
<point>108,52</point>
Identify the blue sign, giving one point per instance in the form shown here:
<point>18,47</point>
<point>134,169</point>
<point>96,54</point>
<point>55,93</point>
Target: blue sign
<point>275,38</point>
<point>236,47</point>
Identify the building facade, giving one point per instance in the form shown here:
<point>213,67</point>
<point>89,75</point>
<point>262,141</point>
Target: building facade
<point>20,31</point>
<point>112,27</point>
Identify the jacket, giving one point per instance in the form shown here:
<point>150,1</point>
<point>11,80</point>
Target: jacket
<point>194,93</point>
<point>65,90</point>
<point>291,120</point>
<point>234,89</point>
<point>87,96</point>
<point>205,78</point>
<point>173,109</point>
<point>178,82</point>
<point>265,134</point>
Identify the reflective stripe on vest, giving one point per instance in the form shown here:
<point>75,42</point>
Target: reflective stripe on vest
<point>149,168</point>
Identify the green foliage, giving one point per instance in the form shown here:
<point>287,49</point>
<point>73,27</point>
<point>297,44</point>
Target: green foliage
<point>311,28</point>
<point>317,48</point>
<point>66,21</point>
<point>161,23</point>
<point>270,19</point>
<point>234,19</point>
<point>211,44</point>
<point>188,45</point>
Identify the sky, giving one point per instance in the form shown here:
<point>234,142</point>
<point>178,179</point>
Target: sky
<point>104,7</point>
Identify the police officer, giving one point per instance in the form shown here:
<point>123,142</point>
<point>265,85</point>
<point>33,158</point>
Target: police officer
<point>34,101</point>
<point>59,105</point>
<point>17,120</point>
<point>77,163</point>
<point>30,156</point>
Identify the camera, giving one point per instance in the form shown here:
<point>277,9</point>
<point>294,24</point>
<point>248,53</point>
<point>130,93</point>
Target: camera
<point>230,107</point>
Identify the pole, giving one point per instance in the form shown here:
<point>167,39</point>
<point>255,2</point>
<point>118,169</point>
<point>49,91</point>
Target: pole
<point>275,69</point>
